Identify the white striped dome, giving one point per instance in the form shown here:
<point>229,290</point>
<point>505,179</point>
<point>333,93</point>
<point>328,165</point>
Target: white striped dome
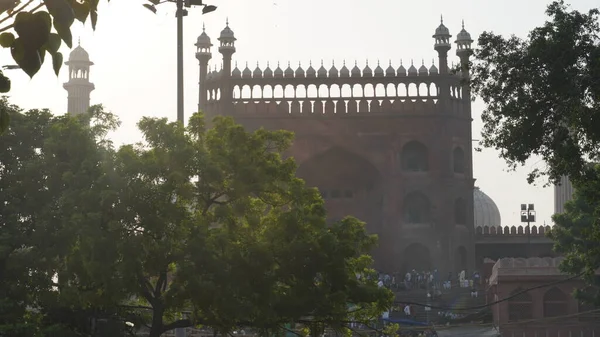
<point>485,210</point>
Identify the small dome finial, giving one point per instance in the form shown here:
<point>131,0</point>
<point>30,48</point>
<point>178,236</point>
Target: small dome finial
<point>79,41</point>
<point>203,27</point>
<point>227,21</point>
<point>442,19</point>
<point>463,24</point>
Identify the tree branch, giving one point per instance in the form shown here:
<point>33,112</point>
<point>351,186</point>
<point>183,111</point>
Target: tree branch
<point>12,25</point>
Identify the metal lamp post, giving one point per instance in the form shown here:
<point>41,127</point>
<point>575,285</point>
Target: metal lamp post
<point>179,14</point>
<point>528,216</point>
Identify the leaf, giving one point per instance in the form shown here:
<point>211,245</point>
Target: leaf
<point>4,120</point>
<point>4,83</point>
<point>64,16</point>
<point>33,29</point>
<point>6,39</point>
<point>65,33</point>
<point>53,43</point>
<point>57,61</point>
<point>154,2</point>
<point>29,60</point>
<point>80,9</point>
<point>94,18</point>
<point>150,7</point>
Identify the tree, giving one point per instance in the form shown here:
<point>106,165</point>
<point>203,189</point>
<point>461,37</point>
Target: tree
<point>542,94</point>
<point>577,235</point>
<point>214,223</point>
<point>49,165</point>
<point>542,97</point>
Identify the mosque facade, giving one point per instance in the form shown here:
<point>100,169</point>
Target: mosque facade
<point>390,146</point>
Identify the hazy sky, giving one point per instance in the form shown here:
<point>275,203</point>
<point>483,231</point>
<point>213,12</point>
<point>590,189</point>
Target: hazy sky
<point>134,52</point>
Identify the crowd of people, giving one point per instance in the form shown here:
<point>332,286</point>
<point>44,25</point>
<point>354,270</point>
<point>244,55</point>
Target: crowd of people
<point>433,288</point>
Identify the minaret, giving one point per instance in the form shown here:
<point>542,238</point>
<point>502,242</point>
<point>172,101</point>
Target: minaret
<point>203,55</point>
<point>79,86</point>
<point>227,49</point>
<point>442,45</point>
<point>464,51</point>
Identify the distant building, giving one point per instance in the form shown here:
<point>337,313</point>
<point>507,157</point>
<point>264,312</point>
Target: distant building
<point>563,192</point>
<point>78,86</point>
<point>543,311</point>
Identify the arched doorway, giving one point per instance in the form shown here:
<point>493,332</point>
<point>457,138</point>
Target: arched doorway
<point>349,184</point>
<point>416,256</point>
<point>460,259</point>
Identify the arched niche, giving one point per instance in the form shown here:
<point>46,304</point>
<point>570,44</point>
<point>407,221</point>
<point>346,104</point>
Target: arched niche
<point>520,305</point>
<point>555,303</point>
<point>347,178</point>
<point>414,157</point>
<point>458,160</point>
<point>460,211</point>
<point>416,209</point>
<point>416,256</point>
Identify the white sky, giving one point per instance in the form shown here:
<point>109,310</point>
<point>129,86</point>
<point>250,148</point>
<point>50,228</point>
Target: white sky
<point>134,52</point>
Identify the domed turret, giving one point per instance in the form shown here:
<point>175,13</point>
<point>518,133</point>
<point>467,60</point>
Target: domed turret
<point>401,70</point>
<point>257,73</point>
<point>227,40</point>
<point>423,71</point>
<point>390,71</point>
<point>485,210</point>
<point>322,72</point>
<point>311,72</point>
<point>433,70</point>
<point>278,73</point>
<point>268,73</point>
<point>333,72</point>
<point>79,55</point>
<point>203,42</point>
<point>344,72</point>
<point>299,71</point>
<point>367,72</point>
<point>442,45</point>
<point>356,70</point>
<point>378,72</point>
<point>412,71</point>
<point>236,73</point>
<point>289,72</point>
<point>463,42</point>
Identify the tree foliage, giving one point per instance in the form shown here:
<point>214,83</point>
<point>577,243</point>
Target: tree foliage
<point>577,235</point>
<point>542,93</point>
<point>212,223</point>
<point>48,166</point>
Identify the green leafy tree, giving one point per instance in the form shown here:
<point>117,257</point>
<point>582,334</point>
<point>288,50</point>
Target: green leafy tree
<point>542,94</point>
<point>577,235</point>
<point>542,97</point>
<point>214,224</point>
<point>51,169</point>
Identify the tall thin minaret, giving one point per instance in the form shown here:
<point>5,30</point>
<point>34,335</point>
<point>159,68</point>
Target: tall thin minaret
<point>203,55</point>
<point>79,86</point>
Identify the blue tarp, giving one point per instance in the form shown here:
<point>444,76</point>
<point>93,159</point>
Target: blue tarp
<point>403,321</point>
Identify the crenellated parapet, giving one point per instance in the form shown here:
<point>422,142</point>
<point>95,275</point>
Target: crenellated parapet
<point>333,90</point>
<point>512,230</point>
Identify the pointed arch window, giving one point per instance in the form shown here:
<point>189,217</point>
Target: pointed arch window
<point>414,157</point>
<point>458,160</point>
<point>417,209</point>
<point>555,303</point>
<point>520,307</point>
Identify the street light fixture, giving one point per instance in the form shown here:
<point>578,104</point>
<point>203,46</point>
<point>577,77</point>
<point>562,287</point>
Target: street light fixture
<point>179,14</point>
<point>528,216</point>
